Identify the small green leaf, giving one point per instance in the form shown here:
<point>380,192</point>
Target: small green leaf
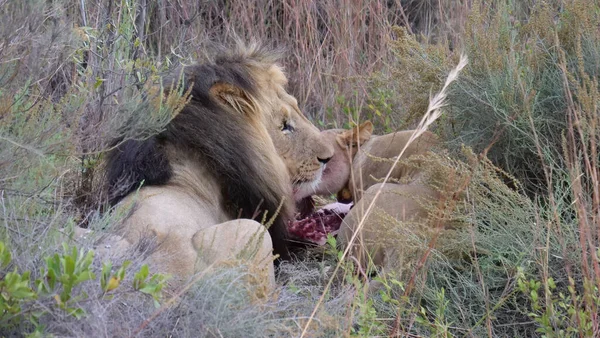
<point>76,312</point>
<point>551,283</point>
<point>85,276</point>
<point>98,82</point>
<point>5,256</point>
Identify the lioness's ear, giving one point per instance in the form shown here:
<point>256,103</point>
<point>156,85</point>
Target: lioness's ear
<point>233,97</point>
<point>344,139</point>
<point>364,131</point>
<point>357,135</point>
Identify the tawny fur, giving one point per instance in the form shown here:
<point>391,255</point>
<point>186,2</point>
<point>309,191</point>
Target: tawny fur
<point>376,156</point>
<point>337,172</point>
<point>400,211</point>
<point>361,160</point>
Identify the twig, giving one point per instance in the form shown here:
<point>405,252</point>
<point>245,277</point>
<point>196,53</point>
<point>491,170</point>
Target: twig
<point>82,9</point>
<point>30,148</point>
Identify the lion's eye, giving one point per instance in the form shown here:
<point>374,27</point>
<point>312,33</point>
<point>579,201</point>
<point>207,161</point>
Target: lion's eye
<point>286,127</point>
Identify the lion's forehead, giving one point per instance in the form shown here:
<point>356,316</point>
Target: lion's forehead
<point>277,75</point>
<point>273,80</point>
<point>285,106</point>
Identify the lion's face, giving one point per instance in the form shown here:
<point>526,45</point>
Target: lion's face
<point>298,142</point>
<point>278,124</point>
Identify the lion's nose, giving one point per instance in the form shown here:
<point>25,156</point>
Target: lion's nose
<point>324,160</point>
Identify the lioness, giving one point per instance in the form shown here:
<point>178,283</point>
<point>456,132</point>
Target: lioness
<point>233,151</point>
<point>400,214</point>
<point>361,160</point>
<point>376,156</point>
<point>356,173</point>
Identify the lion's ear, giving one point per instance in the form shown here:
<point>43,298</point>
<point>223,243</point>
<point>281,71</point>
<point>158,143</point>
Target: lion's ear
<point>355,136</point>
<point>364,132</point>
<point>233,97</point>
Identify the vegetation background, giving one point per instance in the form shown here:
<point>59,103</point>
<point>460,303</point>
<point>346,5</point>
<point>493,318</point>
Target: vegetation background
<point>521,124</point>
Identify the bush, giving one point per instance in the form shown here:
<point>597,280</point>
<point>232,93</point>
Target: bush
<point>64,285</point>
<point>513,86</point>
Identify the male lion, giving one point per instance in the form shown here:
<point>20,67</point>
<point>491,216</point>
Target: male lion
<point>233,151</point>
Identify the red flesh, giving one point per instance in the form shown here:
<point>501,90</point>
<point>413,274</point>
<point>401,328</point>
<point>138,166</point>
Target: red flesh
<point>315,227</point>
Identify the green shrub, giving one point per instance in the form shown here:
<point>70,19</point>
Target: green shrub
<point>512,86</point>
<point>63,285</point>
<point>560,314</point>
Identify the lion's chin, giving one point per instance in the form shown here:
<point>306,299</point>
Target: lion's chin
<point>302,189</point>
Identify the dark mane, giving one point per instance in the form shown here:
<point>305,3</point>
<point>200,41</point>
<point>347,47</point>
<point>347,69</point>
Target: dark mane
<point>214,135</point>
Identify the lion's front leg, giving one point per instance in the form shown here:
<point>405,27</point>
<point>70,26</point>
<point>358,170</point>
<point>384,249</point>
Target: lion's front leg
<point>237,242</point>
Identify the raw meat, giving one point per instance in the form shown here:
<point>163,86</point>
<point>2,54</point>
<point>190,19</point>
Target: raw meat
<point>315,227</point>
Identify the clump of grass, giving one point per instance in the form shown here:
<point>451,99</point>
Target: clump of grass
<point>476,263</point>
<point>514,73</point>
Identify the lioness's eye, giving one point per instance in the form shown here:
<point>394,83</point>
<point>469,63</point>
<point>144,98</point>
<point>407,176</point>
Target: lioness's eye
<point>286,127</point>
